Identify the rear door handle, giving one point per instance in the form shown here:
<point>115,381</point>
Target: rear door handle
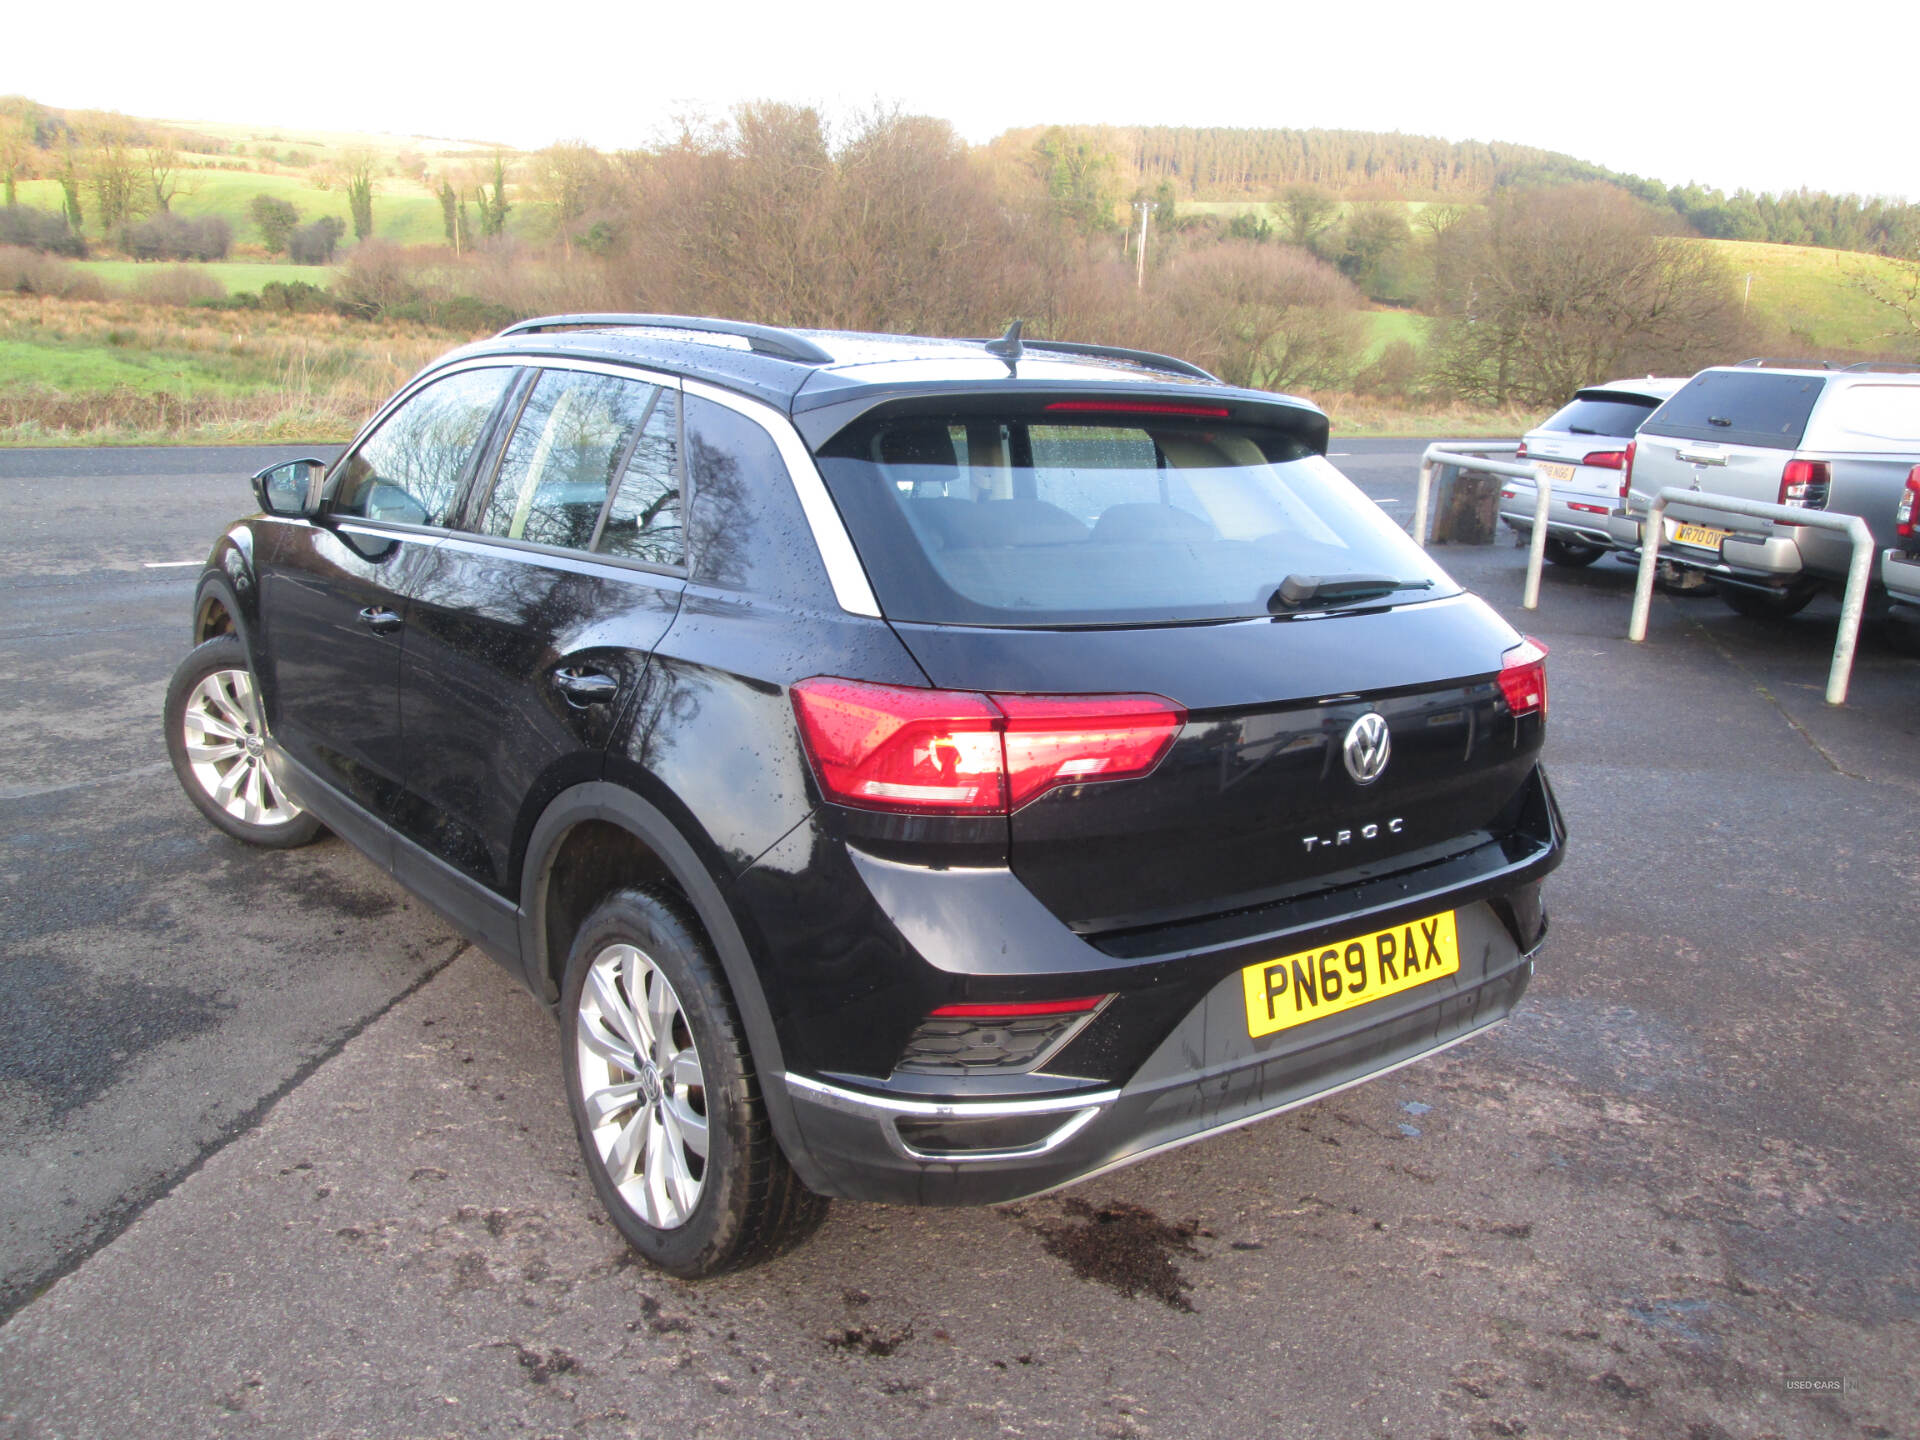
<point>1701,457</point>
<point>381,622</point>
<point>585,687</point>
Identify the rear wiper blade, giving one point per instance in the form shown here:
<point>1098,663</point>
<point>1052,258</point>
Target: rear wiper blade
<point>1322,591</point>
<point>1581,430</point>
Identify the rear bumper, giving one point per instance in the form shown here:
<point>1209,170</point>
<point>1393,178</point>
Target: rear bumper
<point>1782,557</point>
<point>1900,572</point>
<point>1563,521</point>
<point>1206,1077</point>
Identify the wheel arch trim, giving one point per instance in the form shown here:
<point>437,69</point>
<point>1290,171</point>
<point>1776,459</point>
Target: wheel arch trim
<point>604,801</point>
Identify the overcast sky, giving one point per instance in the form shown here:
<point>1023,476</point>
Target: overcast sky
<point>1760,95</point>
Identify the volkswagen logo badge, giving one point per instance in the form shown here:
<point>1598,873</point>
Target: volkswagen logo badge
<point>1367,747</point>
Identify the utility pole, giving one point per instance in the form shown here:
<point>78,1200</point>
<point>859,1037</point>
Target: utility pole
<point>1146,208</point>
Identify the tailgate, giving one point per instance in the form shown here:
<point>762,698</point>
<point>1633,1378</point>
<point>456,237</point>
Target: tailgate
<point>1255,801</point>
<point>1746,472</point>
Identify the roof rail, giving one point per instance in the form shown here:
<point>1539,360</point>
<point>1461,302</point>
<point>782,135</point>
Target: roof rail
<point>1788,363</point>
<point>1114,352</point>
<point>1892,367</point>
<point>763,339</point>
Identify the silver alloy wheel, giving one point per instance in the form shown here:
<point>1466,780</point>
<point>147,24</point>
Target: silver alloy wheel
<point>642,1085</point>
<point>226,746</point>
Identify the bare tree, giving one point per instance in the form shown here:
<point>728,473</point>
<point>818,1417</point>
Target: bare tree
<point>1895,286</point>
<point>163,166</point>
<point>356,179</point>
<point>1306,210</point>
<point>1549,290</point>
<point>570,176</point>
<point>1266,316</point>
<point>16,152</point>
<point>115,169</point>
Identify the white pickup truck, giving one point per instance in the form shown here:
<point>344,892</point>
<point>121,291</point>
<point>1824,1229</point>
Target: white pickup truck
<point>1837,440</point>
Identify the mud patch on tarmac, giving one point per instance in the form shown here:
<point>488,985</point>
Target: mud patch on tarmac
<point>102,1025</point>
<point>1126,1247</point>
<point>869,1340</point>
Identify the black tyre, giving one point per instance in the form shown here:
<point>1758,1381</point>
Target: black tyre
<point>664,1097</point>
<point>217,739</point>
<point>1571,552</point>
<point>1766,604</point>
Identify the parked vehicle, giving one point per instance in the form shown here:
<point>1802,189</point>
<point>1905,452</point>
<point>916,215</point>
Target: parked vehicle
<point>1836,440</point>
<point>1582,450</point>
<point>911,770</point>
<point>1900,564</point>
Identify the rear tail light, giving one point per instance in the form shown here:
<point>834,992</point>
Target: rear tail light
<point>1521,453</point>
<point>1626,468</point>
<point>1906,516</point>
<point>1606,459</point>
<point>994,1037</point>
<point>1523,678</point>
<point>957,752</point>
<point>1804,483</point>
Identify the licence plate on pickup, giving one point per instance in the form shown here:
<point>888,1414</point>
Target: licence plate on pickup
<point>1558,474</point>
<point>1705,536</point>
<point>1324,981</point>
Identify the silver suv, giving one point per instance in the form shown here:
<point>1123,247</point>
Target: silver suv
<point>1793,434</point>
<point>1582,450</point>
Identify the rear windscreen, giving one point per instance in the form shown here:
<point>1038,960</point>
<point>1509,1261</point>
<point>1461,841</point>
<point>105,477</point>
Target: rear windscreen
<point>1593,414</point>
<point>1031,522</point>
<point>1741,407</point>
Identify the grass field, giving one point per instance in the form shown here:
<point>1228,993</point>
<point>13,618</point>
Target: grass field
<point>1813,295</point>
<point>403,211</point>
<point>1386,326</point>
<point>239,276</point>
<point>120,372</point>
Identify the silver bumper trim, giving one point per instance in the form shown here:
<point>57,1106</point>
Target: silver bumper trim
<point>1078,1112</point>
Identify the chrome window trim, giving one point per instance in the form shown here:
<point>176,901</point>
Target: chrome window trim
<point>851,588</point>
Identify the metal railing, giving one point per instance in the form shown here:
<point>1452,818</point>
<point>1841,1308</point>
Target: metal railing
<point>1454,454</point>
<point>1859,568</point>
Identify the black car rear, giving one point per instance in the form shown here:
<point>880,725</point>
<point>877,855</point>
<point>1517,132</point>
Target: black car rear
<point>910,772</point>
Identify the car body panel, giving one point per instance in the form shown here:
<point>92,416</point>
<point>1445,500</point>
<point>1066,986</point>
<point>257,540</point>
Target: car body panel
<point>441,749</point>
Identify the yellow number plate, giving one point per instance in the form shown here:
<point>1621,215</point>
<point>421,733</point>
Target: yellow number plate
<point>1704,536</point>
<point>1558,474</point>
<point>1298,988</point>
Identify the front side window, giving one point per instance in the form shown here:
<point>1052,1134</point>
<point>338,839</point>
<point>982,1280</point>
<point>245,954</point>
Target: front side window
<point>1044,522</point>
<point>593,464</point>
<point>410,469</point>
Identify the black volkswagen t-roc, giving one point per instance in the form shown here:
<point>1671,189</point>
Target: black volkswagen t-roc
<point>929,771</point>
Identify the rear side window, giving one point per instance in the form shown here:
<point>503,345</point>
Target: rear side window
<point>410,470</point>
<point>1015,522</point>
<point>593,464</point>
<point>1599,413</point>
<point>1741,407</point>
<point>1875,417</point>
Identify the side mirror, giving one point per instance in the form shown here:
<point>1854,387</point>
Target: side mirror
<point>291,488</point>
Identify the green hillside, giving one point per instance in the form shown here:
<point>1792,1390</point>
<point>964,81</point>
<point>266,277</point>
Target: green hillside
<point>1814,296</point>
